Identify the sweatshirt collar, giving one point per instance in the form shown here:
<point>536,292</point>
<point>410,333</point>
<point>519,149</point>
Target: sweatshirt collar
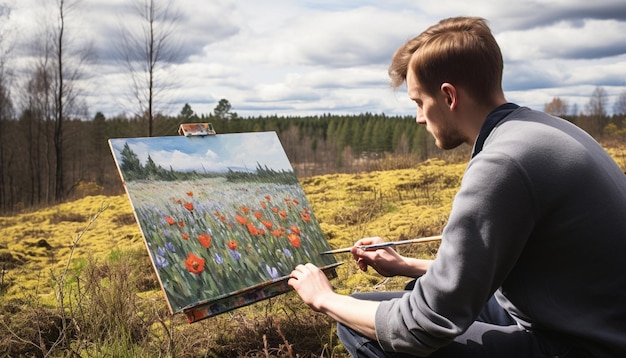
<point>492,120</point>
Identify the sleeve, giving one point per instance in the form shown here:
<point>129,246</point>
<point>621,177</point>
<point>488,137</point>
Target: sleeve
<point>490,221</point>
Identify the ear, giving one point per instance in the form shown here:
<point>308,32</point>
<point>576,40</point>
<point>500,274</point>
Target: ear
<point>451,95</point>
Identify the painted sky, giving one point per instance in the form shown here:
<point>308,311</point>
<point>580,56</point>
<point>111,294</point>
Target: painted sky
<point>209,154</point>
<point>313,57</point>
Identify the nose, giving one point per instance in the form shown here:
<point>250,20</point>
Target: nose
<point>420,119</point>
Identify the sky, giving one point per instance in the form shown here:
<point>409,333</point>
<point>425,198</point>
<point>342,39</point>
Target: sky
<point>305,57</point>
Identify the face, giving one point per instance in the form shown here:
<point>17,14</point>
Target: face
<point>435,113</point>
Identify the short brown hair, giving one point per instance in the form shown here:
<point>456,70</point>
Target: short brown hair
<point>461,51</point>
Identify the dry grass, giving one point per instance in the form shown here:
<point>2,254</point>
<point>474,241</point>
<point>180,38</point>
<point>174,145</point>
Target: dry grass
<point>33,245</point>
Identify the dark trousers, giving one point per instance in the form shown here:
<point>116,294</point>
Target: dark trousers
<point>494,334</point>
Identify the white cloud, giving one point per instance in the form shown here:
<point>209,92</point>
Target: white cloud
<point>314,57</point>
<point>210,155</point>
<point>588,39</point>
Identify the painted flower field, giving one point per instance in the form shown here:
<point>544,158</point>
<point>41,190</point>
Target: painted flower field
<point>209,238</point>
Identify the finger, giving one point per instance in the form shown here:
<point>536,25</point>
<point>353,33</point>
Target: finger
<point>362,265</point>
<point>297,271</point>
<point>354,252</point>
<point>292,281</point>
<point>310,266</point>
<point>369,240</point>
<point>299,268</point>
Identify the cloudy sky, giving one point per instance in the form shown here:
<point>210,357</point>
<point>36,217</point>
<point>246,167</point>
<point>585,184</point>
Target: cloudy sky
<point>313,57</point>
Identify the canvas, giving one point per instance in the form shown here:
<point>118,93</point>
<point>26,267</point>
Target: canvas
<point>223,217</point>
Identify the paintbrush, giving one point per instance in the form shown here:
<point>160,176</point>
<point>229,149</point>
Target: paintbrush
<point>383,244</point>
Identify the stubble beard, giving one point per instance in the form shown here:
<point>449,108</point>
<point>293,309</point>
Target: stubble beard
<point>446,141</point>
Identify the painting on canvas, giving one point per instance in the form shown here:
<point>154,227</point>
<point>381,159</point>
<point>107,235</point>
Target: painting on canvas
<point>224,217</point>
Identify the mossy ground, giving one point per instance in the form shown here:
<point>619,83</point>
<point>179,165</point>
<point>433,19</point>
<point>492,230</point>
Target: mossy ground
<point>110,254</point>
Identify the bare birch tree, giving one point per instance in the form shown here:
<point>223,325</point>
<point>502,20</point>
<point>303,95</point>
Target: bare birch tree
<point>147,48</point>
<point>619,107</point>
<point>6,104</point>
<point>56,97</point>
<point>595,111</point>
<point>596,107</point>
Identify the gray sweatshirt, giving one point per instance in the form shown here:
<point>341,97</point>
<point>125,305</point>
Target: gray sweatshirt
<point>541,217</point>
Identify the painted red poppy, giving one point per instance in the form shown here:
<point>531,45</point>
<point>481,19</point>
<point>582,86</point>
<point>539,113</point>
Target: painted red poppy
<point>240,219</point>
<point>205,240</point>
<point>232,244</point>
<point>252,230</point>
<point>194,264</point>
<point>294,239</point>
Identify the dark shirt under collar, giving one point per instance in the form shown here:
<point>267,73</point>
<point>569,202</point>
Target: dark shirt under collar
<point>491,122</point>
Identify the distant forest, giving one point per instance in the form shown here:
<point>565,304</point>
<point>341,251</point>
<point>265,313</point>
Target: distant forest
<point>314,145</point>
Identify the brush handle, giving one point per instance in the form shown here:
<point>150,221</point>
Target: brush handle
<point>383,244</point>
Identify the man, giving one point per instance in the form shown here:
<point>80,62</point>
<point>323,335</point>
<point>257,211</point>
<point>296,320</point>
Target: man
<point>533,258</point>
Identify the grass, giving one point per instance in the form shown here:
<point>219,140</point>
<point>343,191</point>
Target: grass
<point>76,279</point>
<point>35,244</point>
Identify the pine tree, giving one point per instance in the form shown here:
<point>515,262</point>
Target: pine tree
<point>131,166</point>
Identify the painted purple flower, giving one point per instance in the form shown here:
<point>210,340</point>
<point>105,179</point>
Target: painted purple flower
<point>235,254</point>
<point>219,259</point>
<point>160,251</point>
<point>167,233</point>
<point>287,252</point>
<point>272,271</point>
<point>160,261</point>
<point>170,246</point>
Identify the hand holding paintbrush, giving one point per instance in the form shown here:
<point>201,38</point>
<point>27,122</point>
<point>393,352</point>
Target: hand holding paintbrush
<point>383,244</point>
